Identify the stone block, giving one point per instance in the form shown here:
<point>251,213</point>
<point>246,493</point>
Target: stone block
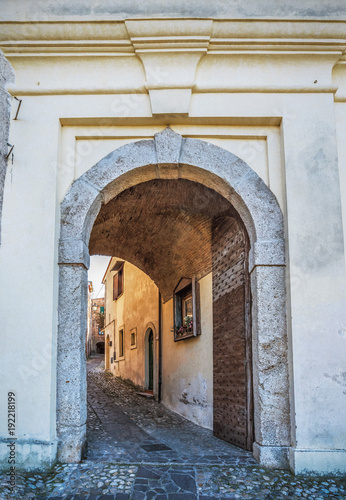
<point>262,204</point>
<point>212,158</point>
<point>79,210</point>
<point>127,158</point>
<point>267,253</point>
<point>73,251</point>
<point>71,362</point>
<point>168,147</point>
<point>73,297</point>
<point>72,390</point>
<point>72,444</point>
<point>170,101</point>
<point>270,349</point>
<point>273,457</point>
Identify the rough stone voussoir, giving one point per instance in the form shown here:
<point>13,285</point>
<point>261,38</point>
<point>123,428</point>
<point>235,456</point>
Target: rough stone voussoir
<point>213,158</point>
<point>78,209</point>
<point>128,157</point>
<point>263,206</point>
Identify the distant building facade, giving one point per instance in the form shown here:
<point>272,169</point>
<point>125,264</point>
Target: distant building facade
<point>97,344</point>
<point>132,324</point>
<point>143,337</point>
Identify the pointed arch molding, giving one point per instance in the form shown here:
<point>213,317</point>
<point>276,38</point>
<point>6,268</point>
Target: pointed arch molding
<point>169,156</point>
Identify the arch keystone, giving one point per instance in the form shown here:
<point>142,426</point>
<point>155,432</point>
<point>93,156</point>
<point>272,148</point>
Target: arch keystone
<point>168,146</point>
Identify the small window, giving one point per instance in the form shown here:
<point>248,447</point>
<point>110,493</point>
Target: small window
<point>121,343</point>
<point>118,283</point>
<point>120,280</point>
<point>133,338</point>
<point>186,309</point>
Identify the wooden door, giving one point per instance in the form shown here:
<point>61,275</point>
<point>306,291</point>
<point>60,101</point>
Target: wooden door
<point>151,360</point>
<point>233,412</point>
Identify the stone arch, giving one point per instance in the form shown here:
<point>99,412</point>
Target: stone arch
<point>169,156</point>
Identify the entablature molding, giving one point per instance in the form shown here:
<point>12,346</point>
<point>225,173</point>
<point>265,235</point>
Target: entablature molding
<point>173,58</point>
<point>131,36</point>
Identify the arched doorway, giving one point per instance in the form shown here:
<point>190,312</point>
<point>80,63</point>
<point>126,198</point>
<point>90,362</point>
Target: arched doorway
<point>261,262</point>
<point>100,348</point>
<point>149,359</point>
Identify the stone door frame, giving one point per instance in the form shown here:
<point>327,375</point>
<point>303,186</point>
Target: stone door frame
<point>170,156</point>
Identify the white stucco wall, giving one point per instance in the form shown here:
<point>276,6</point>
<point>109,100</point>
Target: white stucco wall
<point>287,127</point>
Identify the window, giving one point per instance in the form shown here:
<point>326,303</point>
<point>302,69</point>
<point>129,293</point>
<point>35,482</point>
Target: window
<point>118,283</point>
<point>186,309</point>
<point>120,280</point>
<point>133,338</point>
<point>121,343</point>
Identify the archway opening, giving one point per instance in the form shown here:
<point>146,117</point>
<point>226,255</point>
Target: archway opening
<point>194,246</point>
<point>100,348</point>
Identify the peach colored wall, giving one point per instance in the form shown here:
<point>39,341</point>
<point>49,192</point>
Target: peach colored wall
<point>137,307</point>
<point>187,365</point>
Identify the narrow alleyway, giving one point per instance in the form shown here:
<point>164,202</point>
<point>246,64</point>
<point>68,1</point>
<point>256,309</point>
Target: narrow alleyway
<point>140,450</point>
<point>125,426</point>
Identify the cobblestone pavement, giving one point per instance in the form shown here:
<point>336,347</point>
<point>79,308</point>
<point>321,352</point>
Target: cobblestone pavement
<point>153,453</point>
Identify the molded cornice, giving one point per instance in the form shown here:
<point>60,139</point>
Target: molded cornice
<point>185,56</point>
<point>131,36</point>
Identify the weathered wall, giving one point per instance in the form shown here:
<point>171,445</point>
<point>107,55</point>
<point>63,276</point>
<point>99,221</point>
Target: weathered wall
<point>230,9</point>
<point>339,75</point>
<point>187,374</point>
<point>275,110</point>
<point>136,308</point>
<point>6,76</point>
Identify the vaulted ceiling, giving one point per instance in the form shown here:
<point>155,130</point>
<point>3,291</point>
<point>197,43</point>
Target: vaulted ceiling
<point>163,227</point>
